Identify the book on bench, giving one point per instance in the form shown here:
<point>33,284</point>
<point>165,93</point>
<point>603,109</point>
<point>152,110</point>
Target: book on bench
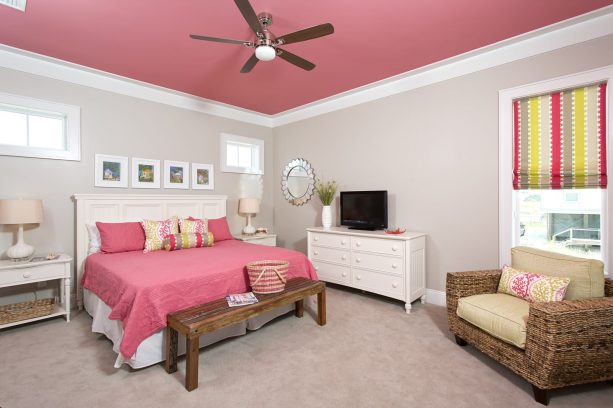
<point>241,299</point>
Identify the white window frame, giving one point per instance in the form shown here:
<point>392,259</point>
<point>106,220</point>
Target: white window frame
<point>224,138</point>
<point>508,202</point>
<point>72,129</point>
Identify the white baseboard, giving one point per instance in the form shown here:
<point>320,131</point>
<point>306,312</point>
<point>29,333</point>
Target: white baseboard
<point>436,297</point>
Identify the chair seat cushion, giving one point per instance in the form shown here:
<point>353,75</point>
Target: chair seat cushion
<point>503,316</point>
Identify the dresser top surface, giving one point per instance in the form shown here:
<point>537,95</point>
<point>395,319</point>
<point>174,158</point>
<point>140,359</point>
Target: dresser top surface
<point>368,234</point>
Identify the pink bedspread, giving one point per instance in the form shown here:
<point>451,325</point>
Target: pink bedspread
<point>141,289</point>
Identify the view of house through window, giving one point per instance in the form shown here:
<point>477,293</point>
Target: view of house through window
<point>566,221</point>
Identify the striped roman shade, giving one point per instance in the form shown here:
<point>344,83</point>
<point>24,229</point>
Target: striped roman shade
<point>560,139</point>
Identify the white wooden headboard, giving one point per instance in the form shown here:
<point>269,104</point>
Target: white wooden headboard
<point>136,207</point>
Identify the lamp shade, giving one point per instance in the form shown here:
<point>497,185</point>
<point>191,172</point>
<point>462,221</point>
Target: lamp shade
<point>249,206</point>
<point>21,211</point>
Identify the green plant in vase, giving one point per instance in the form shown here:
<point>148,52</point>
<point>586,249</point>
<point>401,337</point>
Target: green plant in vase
<point>326,192</point>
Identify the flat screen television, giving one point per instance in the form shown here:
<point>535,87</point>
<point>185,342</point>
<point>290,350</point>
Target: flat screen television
<point>364,209</point>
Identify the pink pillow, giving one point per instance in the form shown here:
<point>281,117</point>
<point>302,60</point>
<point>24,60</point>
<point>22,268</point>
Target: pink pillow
<point>219,228</point>
<point>121,236</point>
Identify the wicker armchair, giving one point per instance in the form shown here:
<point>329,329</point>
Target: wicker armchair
<point>567,343</point>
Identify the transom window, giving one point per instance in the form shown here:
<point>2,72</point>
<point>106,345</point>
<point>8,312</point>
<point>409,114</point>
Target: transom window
<point>240,154</point>
<point>34,128</point>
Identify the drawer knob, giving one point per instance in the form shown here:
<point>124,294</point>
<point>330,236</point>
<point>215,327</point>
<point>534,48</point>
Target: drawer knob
<point>358,277</point>
<point>358,260</point>
<point>358,244</point>
<point>394,265</point>
<point>343,257</point>
<point>316,239</point>
<point>344,274</point>
<point>27,274</point>
<point>316,253</point>
<point>394,285</point>
<point>343,242</point>
<point>394,248</point>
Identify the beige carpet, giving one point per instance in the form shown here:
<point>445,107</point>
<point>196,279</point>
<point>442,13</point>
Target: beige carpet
<point>371,354</point>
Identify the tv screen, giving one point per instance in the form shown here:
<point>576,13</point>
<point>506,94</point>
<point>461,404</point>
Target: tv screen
<point>364,209</point>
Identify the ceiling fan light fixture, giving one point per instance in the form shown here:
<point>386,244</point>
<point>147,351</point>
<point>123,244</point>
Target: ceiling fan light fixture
<point>265,53</point>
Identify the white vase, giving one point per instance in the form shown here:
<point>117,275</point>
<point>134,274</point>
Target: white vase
<point>326,216</point>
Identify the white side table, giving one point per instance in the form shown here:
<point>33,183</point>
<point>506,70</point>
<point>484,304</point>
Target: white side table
<point>268,239</point>
<point>21,273</point>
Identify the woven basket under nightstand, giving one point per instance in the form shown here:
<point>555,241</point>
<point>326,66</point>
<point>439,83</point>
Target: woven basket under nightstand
<point>26,310</point>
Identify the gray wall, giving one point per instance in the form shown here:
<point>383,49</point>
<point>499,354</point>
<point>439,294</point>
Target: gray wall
<point>435,149</point>
<point>124,126</point>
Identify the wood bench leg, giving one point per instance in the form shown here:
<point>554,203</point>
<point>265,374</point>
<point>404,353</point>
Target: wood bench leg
<point>191,369</point>
<point>299,311</point>
<point>321,307</point>
<point>172,340</point>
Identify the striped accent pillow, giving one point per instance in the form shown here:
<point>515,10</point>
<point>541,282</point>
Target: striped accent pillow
<point>187,240</point>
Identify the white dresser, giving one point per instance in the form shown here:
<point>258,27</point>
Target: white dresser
<point>390,265</point>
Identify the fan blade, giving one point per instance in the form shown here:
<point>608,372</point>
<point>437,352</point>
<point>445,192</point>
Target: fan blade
<point>221,40</point>
<point>249,64</point>
<point>306,34</point>
<point>249,15</point>
<point>294,59</point>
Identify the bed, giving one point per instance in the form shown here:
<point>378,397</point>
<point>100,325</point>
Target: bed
<point>128,294</point>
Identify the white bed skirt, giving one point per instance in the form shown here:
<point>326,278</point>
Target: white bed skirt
<point>151,350</point>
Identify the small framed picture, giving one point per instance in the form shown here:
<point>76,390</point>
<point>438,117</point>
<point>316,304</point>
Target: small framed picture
<point>145,173</point>
<point>111,171</point>
<point>203,176</point>
<point>176,174</point>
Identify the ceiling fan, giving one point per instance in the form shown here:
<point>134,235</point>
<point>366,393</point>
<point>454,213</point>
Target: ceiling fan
<point>266,44</point>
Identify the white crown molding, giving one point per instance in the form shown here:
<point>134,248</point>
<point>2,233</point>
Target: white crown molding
<point>583,28</point>
<point>37,64</point>
<point>579,29</point>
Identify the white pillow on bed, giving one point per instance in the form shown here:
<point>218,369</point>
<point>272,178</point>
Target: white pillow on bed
<point>94,242</point>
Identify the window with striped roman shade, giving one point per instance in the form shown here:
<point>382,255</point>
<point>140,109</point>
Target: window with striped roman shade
<point>560,139</point>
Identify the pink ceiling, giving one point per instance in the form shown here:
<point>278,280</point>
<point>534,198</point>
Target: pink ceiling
<point>148,40</point>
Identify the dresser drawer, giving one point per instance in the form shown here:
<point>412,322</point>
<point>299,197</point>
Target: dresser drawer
<point>377,262</point>
<point>330,240</point>
<point>380,246</point>
<point>388,285</point>
<point>333,273</point>
<point>32,274</point>
<point>330,255</point>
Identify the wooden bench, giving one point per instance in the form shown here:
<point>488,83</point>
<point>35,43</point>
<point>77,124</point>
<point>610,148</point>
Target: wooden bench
<point>198,320</point>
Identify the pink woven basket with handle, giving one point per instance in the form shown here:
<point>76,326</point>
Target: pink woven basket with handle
<point>267,276</point>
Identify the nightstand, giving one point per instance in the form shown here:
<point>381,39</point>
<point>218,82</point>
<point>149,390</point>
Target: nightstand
<point>268,239</point>
<point>20,273</point>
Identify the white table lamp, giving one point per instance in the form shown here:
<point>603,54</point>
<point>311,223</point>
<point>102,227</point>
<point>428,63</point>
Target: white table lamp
<point>249,206</point>
<point>21,212</point>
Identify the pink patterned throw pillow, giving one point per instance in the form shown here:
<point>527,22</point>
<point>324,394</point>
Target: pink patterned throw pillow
<point>156,231</point>
<point>532,286</point>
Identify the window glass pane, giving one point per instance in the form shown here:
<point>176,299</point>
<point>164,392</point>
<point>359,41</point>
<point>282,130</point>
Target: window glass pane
<point>255,157</point>
<point>46,132</point>
<point>244,156</point>
<point>231,154</point>
<point>13,128</point>
<point>565,221</point>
